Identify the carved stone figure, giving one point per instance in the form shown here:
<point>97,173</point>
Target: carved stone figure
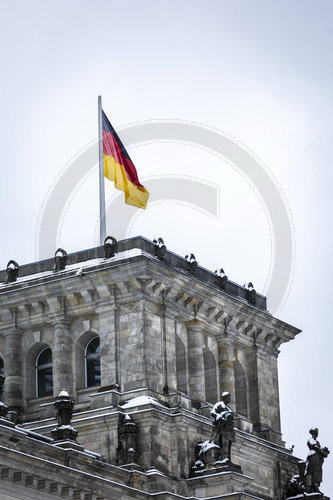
<point>64,405</point>
<point>110,247</point>
<point>191,263</point>
<point>160,248</point>
<point>313,475</point>
<point>215,453</point>
<point>295,486</point>
<point>222,278</point>
<point>12,271</point>
<point>223,434</point>
<point>60,258</point>
<point>251,293</point>
<point>127,437</point>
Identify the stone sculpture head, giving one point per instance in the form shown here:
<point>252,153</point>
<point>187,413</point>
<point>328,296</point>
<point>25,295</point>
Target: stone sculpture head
<point>314,432</point>
<point>226,397</point>
<point>110,247</point>
<point>60,259</point>
<point>12,271</point>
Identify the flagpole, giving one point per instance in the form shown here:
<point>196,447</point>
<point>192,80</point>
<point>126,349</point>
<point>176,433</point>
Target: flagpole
<point>102,222</point>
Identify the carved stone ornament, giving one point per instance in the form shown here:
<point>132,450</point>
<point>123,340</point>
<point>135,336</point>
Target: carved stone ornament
<point>160,248</point>
<point>110,247</point>
<point>313,474</point>
<point>191,263</point>
<point>310,474</point>
<point>295,486</point>
<point>127,438</point>
<point>251,293</point>
<point>216,452</point>
<point>64,405</point>
<point>12,271</point>
<point>60,258</point>
<point>222,278</point>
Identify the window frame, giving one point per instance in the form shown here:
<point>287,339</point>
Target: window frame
<point>38,369</point>
<point>85,361</point>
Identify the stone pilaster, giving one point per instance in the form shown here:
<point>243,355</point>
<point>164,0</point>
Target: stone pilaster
<point>252,376</point>
<point>264,393</point>
<point>109,338</point>
<point>226,368</point>
<point>170,347</point>
<point>62,356</point>
<point>13,372</point>
<point>275,396</point>
<point>133,345</point>
<point>196,361</point>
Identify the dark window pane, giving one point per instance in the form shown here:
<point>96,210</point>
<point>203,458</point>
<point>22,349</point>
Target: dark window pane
<point>44,373</point>
<point>93,347</point>
<point>45,382</point>
<point>93,372</point>
<point>93,367</point>
<point>45,357</point>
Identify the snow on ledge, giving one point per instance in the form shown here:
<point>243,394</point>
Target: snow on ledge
<point>140,401</point>
<point>82,265</point>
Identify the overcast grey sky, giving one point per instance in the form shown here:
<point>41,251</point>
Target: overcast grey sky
<point>260,71</point>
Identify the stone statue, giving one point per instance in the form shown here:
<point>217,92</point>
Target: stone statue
<point>223,434</point>
<point>215,453</point>
<point>191,263</point>
<point>222,278</point>
<point>60,258</point>
<point>295,486</point>
<point>160,248</point>
<point>251,293</point>
<point>313,474</point>
<point>127,439</point>
<point>110,247</point>
<point>12,271</point>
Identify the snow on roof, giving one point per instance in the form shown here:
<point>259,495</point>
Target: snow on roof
<point>140,401</point>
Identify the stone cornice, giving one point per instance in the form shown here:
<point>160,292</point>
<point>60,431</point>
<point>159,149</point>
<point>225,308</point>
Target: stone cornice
<point>186,298</point>
<point>43,271</point>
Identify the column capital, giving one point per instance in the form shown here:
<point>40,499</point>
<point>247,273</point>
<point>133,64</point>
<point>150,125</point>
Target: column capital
<point>195,323</point>
<point>225,341</point>
<point>63,321</point>
<point>12,332</point>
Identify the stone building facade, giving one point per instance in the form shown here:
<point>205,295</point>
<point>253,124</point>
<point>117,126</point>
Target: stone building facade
<point>144,342</point>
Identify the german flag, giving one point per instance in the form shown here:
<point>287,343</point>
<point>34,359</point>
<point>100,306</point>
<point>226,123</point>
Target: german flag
<point>118,167</point>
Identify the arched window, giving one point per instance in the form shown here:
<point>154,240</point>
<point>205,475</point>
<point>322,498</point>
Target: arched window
<point>44,377</point>
<point>181,365</point>
<point>92,363</point>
